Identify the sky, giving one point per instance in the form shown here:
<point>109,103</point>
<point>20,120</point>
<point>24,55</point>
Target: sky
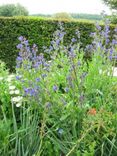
<point>55,6</point>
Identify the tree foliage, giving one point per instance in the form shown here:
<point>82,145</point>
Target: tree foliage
<point>71,16</point>
<point>10,10</point>
<point>62,15</point>
<point>86,16</point>
<point>111,3</point>
<point>39,31</point>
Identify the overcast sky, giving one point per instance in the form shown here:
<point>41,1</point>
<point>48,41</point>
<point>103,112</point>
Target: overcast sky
<point>54,6</point>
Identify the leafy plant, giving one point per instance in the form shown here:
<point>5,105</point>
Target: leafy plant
<point>63,105</point>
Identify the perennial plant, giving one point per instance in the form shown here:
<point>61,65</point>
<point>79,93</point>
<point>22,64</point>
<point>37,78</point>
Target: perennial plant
<point>67,105</point>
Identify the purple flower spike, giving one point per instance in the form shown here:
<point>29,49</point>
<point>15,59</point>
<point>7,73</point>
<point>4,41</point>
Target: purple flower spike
<point>26,90</point>
<point>52,42</point>
<point>66,90</point>
<point>34,45</point>
<point>50,48</point>
<point>73,40</point>
<point>114,42</point>
<point>38,79</point>
<point>61,35</point>
<point>107,41</point>
<point>57,42</point>
<point>55,88</point>
<point>18,77</point>
<point>71,53</point>
<point>92,34</point>
<point>115,57</point>
<point>19,46</point>
<point>98,26</point>
<point>77,33</point>
<point>32,92</point>
<point>36,65</point>
<point>21,38</point>
<point>19,58</point>
<point>89,47</point>
<point>44,75</point>
<point>110,57</point>
<point>115,30</point>
<point>111,51</point>
<point>26,42</point>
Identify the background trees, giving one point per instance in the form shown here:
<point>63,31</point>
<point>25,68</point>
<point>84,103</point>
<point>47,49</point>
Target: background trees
<point>111,3</point>
<point>10,10</point>
<point>62,15</point>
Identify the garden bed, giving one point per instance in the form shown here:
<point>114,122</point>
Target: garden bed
<point>66,106</point>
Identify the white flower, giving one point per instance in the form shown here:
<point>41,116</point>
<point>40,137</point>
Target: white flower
<point>11,92</point>
<point>10,78</point>
<point>17,99</point>
<point>17,92</point>
<point>115,71</point>
<point>18,104</point>
<point>1,78</point>
<point>14,99</point>
<point>100,71</point>
<point>12,87</point>
<point>49,61</point>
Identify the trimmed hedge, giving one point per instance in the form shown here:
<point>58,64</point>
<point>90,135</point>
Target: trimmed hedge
<point>38,31</point>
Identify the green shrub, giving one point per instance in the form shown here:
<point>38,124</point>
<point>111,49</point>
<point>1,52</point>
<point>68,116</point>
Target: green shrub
<point>114,19</point>
<point>38,31</point>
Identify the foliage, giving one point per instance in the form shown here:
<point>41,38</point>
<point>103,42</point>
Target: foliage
<point>41,34</point>
<point>10,10</point>
<point>114,18</point>
<point>111,3</point>
<point>62,106</point>
<point>86,16</point>
<point>72,16</point>
<point>62,16</point>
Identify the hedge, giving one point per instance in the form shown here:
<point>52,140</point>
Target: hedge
<point>38,31</point>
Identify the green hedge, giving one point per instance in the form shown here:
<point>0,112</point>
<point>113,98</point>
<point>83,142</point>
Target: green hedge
<point>38,31</point>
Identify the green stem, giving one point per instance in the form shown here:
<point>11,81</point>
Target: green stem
<point>79,140</point>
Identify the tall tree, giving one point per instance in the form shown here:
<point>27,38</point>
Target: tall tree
<point>10,10</point>
<point>111,3</point>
